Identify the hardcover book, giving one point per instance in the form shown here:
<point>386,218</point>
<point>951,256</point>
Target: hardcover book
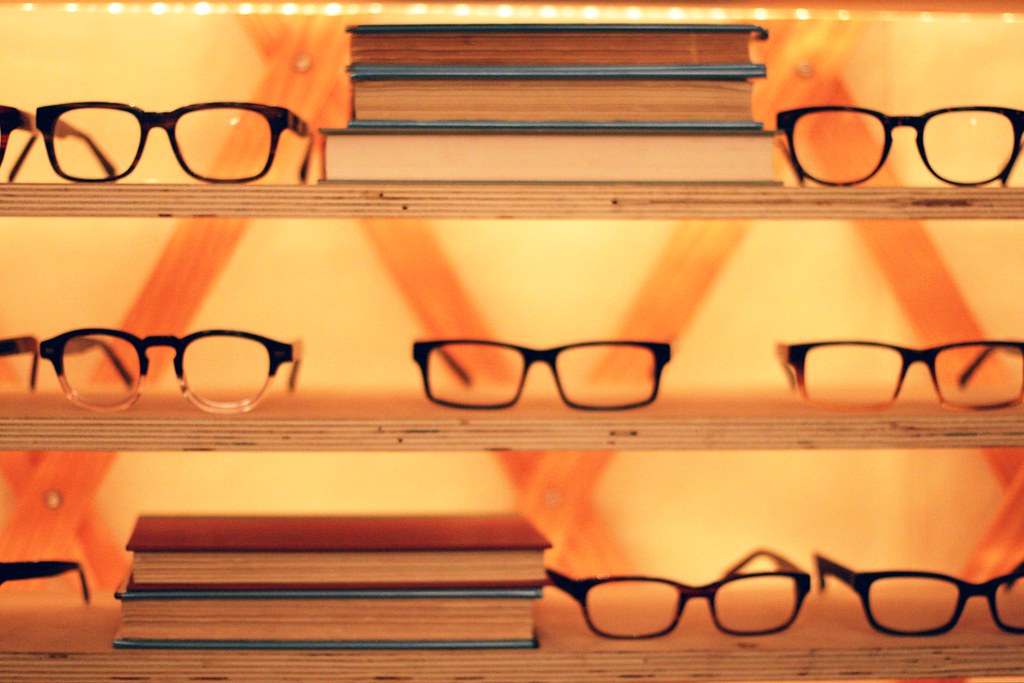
<point>553,43</point>
<point>545,153</point>
<point>364,618</point>
<point>581,93</point>
<point>336,552</point>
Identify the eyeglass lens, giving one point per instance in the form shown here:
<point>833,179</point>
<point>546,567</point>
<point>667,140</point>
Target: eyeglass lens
<point>101,370</point>
<point>1009,603</point>
<point>200,137</point>
<point>476,374</point>
<point>963,147</point>
<point>919,604</point>
<point>913,604</point>
<point>864,375</point>
<point>225,370</point>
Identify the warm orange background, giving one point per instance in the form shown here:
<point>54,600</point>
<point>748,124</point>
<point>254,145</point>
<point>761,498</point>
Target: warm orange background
<point>542,283</point>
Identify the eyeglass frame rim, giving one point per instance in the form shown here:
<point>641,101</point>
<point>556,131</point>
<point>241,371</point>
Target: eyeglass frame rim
<point>278,119</point>
<point>578,589</point>
<point>861,583</point>
<point>278,353</point>
<point>421,351</point>
<point>794,356</point>
<point>785,121</point>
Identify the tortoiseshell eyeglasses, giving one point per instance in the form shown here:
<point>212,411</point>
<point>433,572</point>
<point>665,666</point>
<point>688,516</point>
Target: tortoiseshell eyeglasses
<point>112,136</point>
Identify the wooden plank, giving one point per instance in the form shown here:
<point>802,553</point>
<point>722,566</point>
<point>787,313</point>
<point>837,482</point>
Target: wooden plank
<point>513,200</point>
<point>324,422</point>
<point>63,641</point>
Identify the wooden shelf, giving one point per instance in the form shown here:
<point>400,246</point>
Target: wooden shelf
<point>509,200</point>
<point>55,641</point>
<point>331,423</point>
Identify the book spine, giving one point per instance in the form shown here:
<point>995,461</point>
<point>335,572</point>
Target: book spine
<point>757,32</point>
<point>488,125</point>
<point>542,72</point>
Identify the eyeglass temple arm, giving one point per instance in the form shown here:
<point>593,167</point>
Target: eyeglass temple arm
<point>827,567</point>
<point>13,571</point>
<point>16,345</point>
<point>299,127</point>
<point>571,586</point>
<point>83,344</point>
<point>293,376</point>
<point>782,563</point>
<point>787,154</point>
<point>782,353</point>
<point>455,366</point>
<point>968,373</point>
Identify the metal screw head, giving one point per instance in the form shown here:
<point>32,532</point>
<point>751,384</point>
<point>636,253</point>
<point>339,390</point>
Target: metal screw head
<point>302,63</point>
<point>804,69</point>
<point>53,499</point>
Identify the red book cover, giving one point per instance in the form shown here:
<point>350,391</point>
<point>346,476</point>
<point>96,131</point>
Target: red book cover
<point>334,534</point>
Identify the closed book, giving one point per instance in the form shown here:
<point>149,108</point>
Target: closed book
<point>554,43</point>
<point>548,154</point>
<point>337,552</point>
<point>579,93</point>
<point>355,617</point>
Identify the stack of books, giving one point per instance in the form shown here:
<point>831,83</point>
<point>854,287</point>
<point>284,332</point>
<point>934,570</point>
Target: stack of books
<point>391,582</point>
<point>552,102</point>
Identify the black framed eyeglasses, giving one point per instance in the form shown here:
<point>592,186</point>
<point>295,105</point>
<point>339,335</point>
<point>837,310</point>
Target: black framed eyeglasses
<point>918,603</point>
<point>958,145</point>
<point>970,375</point>
<point>222,371</point>
<point>15,571</point>
<point>117,133</point>
<point>598,375</point>
<point>741,602</point>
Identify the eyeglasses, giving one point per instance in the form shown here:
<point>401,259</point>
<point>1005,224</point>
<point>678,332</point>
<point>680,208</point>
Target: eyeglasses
<point>972,375</point>
<point>741,603</point>
<point>15,571</point>
<point>116,134</point>
<point>467,373</point>
<point>913,603</point>
<point>221,371</point>
<point>959,145</point>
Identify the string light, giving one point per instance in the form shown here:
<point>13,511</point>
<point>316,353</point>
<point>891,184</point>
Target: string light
<point>512,12</point>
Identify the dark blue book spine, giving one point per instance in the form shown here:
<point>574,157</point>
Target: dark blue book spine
<point>541,72</point>
<point>756,31</point>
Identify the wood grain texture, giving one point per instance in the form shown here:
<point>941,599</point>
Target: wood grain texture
<point>514,200</point>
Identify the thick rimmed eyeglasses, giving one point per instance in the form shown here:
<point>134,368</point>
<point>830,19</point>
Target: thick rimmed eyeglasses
<point>971,375</point>
<point>221,371</point>
<point>916,603</point>
<point>116,134</point>
<point>958,145</point>
<point>741,602</point>
<point>16,571</point>
<point>599,375</point>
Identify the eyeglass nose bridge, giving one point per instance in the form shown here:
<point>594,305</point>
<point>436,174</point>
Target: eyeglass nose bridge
<point>546,357</point>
